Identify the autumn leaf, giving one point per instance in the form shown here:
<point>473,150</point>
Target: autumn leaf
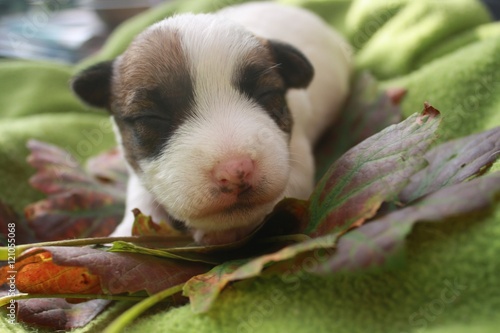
<point>58,314</point>
<point>377,242</point>
<point>81,202</point>
<point>127,272</point>
<point>368,110</point>
<point>372,172</point>
<point>453,162</point>
<point>36,273</point>
<point>145,226</point>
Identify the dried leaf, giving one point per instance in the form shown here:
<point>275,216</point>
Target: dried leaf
<point>453,162</point>
<point>372,172</point>
<point>57,314</point>
<point>80,203</point>
<point>145,226</point>
<point>367,111</point>
<point>377,242</point>
<point>203,289</point>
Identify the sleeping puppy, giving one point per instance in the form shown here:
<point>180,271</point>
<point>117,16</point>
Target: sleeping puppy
<point>217,114</point>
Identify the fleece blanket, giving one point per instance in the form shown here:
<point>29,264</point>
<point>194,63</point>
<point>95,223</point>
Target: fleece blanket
<point>444,52</point>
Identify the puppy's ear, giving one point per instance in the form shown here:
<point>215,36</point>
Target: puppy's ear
<point>294,67</point>
<point>93,85</point>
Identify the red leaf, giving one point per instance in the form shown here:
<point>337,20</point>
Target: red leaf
<point>80,203</point>
<point>74,214</point>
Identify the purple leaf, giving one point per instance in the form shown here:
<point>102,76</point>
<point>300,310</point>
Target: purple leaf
<point>453,162</point>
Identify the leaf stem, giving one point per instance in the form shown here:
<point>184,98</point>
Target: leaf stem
<point>128,316</point>
<point>4,251</point>
<point>7,299</point>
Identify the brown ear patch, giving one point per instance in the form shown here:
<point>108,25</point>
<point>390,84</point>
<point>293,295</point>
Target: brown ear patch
<point>260,80</point>
<point>93,85</point>
<point>152,93</point>
<point>154,61</point>
<point>293,66</point>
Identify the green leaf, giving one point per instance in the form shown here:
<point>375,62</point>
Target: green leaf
<point>372,172</point>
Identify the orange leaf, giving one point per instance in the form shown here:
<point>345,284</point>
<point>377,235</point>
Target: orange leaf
<point>37,274</point>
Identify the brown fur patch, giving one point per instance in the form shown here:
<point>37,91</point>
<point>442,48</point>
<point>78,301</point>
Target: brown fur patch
<point>261,80</point>
<point>152,93</point>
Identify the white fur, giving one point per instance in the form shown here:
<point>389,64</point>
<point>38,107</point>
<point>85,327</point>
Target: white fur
<point>228,124</point>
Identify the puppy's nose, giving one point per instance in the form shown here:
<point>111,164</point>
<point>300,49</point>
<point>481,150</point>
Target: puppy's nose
<point>234,175</point>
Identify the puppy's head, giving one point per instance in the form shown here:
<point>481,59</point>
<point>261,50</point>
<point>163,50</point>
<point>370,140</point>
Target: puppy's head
<point>200,110</point>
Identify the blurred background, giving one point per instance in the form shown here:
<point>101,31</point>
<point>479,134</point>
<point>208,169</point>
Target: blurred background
<point>61,30</point>
<point>69,30</point>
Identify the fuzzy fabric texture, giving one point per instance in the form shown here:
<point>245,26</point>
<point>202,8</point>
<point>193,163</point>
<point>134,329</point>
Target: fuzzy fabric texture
<point>443,52</point>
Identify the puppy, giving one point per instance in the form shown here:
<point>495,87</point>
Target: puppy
<point>217,114</point>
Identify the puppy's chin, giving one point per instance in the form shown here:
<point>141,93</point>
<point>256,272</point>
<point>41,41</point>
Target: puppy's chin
<point>221,237</point>
<point>240,215</point>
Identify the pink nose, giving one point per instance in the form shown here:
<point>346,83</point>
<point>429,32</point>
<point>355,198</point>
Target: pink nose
<point>234,175</point>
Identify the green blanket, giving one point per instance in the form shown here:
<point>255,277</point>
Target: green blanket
<point>444,52</point>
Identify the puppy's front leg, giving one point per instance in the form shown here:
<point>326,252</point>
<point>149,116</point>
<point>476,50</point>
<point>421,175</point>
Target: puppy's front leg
<point>138,197</point>
<point>301,181</point>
